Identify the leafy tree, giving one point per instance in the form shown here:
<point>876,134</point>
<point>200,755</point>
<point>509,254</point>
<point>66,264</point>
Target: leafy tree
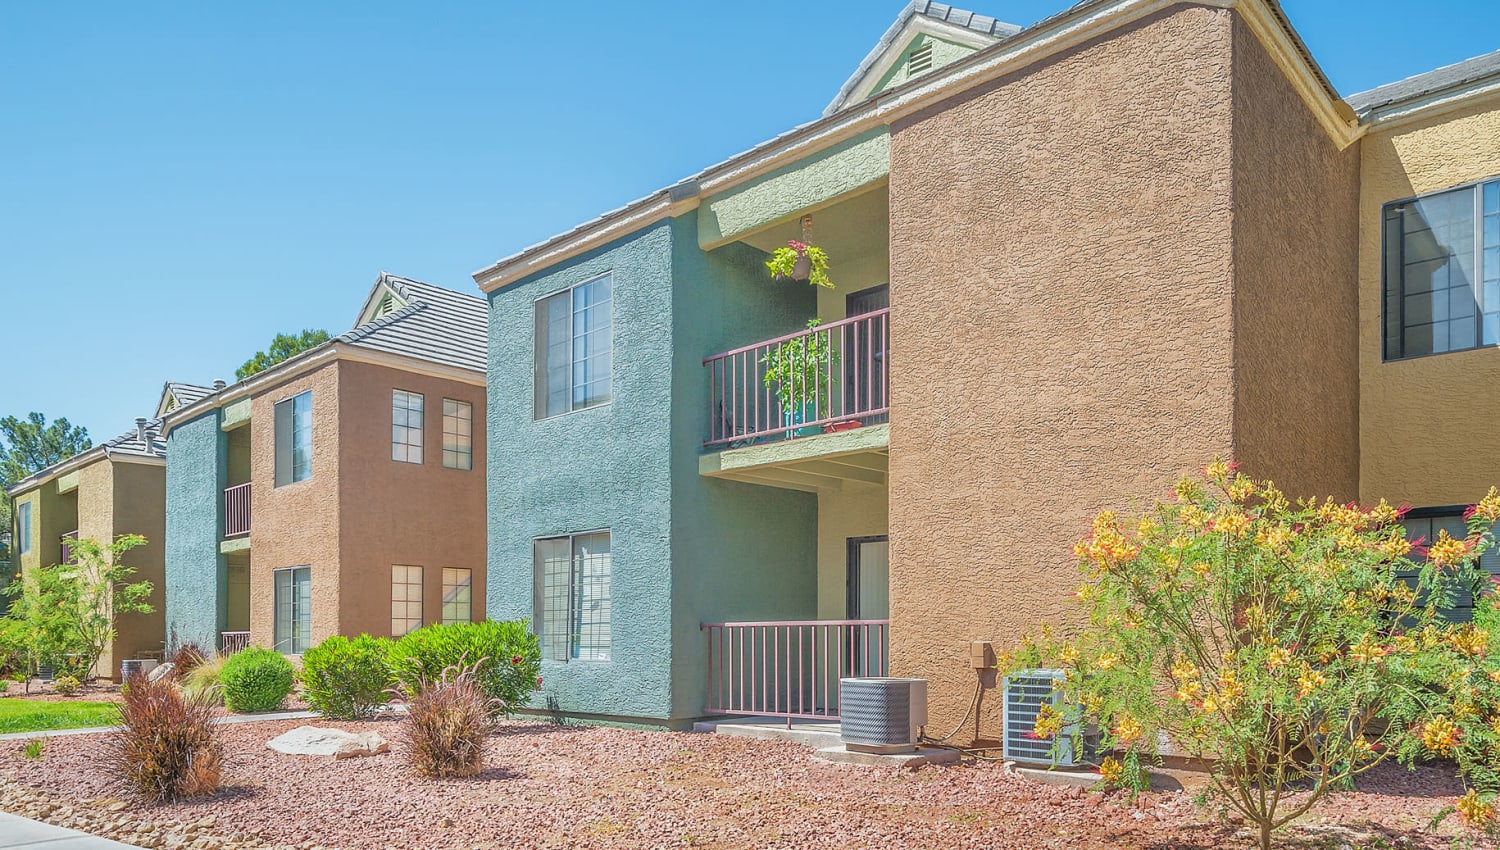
<point>64,614</point>
<point>1291,646</point>
<point>283,347</point>
<point>30,444</point>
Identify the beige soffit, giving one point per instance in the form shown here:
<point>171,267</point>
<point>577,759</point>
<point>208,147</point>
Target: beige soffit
<point>1083,23</point>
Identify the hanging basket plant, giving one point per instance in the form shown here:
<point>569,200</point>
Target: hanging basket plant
<point>800,261</point>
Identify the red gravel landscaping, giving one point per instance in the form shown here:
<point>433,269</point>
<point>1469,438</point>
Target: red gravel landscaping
<point>547,786</point>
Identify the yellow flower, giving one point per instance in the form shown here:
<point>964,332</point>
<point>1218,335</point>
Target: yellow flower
<point>1292,596</point>
<point>1217,469</point>
<point>1231,521</point>
<point>1180,542</point>
<point>1147,526</point>
<point>1476,811</point>
<point>1440,735</point>
<point>1193,516</point>
<point>1069,656</point>
<point>1445,550</point>
<point>1111,771</point>
<point>1049,722</point>
<point>1127,731</point>
<point>1489,507</point>
<point>1277,657</point>
<point>1210,705</point>
<point>1184,489</point>
<point>1308,682</point>
<point>1384,514</point>
<point>1274,537</point>
<point>1107,660</point>
<point>1184,670</point>
<point>1470,641</point>
<point>1242,489</point>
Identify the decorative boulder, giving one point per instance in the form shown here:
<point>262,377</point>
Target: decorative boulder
<point>160,671</point>
<point>315,741</point>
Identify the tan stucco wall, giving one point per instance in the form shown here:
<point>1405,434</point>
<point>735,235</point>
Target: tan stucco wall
<point>854,512</point>
<point>1061,320</point>
<point>139,494</point>
<point>1426,424</point>
<point>1295,296</point>
<point>297,524</point>
<point>403,513</point>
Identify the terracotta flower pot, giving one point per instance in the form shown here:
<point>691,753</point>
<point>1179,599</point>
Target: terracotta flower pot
<point>846,425</point>
<point>803,269</point>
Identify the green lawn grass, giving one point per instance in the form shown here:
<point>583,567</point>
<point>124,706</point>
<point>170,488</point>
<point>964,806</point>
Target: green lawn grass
<point>23,715</point>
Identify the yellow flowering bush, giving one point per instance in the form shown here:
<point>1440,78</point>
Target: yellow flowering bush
<point>1290,644</point>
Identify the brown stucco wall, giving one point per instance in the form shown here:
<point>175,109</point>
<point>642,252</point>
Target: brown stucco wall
<point>1427,423</point>
<point>1296,199</point>
<point>297,524</point>
<point>404,513</point>
<point>139,496</point>
<point>1061,327</point>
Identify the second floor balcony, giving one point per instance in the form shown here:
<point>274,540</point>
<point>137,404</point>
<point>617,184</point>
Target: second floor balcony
<point>829,377</point>
<point>237,510</point>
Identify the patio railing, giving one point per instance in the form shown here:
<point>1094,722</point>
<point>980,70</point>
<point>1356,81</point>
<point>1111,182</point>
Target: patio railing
<point>837,378</point>
<point>790,668</point>
<point>237,510</point>
<point>65,547</point>
<point>232,642</point>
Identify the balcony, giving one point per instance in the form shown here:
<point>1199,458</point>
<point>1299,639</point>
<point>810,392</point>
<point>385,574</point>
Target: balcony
<point>232,642</point>
<point>65,547</point>
<point>790,668</point>
<point>825,379</point>
<point>237,510</point>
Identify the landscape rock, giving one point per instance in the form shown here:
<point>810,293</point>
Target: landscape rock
<point>160,671</point>
<point>316,741</point>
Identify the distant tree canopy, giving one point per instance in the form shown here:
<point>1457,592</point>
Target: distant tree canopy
<point>283,347</point>
<point>30,444</point>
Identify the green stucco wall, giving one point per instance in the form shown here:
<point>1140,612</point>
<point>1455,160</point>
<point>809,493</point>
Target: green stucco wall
<point>684,550</point>
<point>195,595</point>
<point>943,53</point>
<point>839,171</point>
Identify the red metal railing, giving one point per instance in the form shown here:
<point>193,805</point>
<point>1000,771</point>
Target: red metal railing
<point>65,547</point>
<point>232,642</point>
<point>790,668</point>
<point>237,510</point>
<point>844,388</point>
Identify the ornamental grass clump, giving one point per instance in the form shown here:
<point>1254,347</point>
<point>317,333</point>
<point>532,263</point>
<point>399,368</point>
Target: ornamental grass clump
<point>448,719</point>
<point>1291,645</point>
<point>166,748</point>
<point>508,665</point>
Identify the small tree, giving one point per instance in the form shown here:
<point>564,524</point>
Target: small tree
<point>801,370</point>
<point>65,613</point>
<point>283,347</point>
<point>1291,646</point>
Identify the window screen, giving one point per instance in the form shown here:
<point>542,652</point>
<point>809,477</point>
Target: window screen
<point>572,604</point>
<point>406,426</point>
<point>293,439</point>
<point>574,348</point>
<point>458,434</point>
<point>293,603</point>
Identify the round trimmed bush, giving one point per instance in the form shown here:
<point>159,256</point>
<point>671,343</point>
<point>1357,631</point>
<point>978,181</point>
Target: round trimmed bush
<point>508,655</point>
<point>256,679</point>
<point>346,679</point>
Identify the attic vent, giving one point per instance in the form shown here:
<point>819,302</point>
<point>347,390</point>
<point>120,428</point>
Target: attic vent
<point>386,306</point>
<point>919,61</point>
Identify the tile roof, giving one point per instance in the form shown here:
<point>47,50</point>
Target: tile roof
<point>186,394</point>
<point>1432,82</point>
<point>436,324</point>
<point>131,443</point>
<point>983,24</point>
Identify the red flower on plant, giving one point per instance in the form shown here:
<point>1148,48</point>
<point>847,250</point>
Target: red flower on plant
<point>1403,509</point>
<point>539,681</point>
<point>515,659</point>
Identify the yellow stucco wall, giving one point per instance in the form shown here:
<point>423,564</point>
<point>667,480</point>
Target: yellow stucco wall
<point>853,512</point>
<point>1427,423</point>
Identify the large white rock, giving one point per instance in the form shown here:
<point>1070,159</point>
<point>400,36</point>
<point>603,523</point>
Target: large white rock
<point>315,741</point>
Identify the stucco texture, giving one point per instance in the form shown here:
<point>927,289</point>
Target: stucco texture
<point>129,498</point>
<point>392,512</point>
<point>195,596</point>
<point>1061,328</point>
<point>1426,423</point>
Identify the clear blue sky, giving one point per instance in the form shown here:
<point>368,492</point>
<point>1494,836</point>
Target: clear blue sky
<point>181,181</point>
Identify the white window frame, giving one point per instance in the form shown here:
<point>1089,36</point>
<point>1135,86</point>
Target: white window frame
<point>593,616</point>
<point>458,447</point>
<point>407,439</point>
<point>288,433</point>
<point>290,644</point>
<point>403,605</point>
<point>541,342</point>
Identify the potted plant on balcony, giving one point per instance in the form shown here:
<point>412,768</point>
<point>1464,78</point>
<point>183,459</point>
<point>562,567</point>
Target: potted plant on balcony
<point>800,261</point>
<point>801,370</point>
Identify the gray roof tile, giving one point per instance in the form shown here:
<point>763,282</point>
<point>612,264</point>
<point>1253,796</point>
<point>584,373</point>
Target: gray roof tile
<point>436,324</point>
<point>1421,85</point>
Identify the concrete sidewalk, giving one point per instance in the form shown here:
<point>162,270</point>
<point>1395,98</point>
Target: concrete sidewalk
<point>227,720</point>
<point>17,832</point>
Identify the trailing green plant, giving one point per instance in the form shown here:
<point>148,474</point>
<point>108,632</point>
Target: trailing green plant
<point>167,747</point>
<point>347,679</point>
<point>256,679</point>
<point>784,264</point>
<point>448,719</point>
<point>506,655</point>
<point>65,685</point>
<point>63,615</point>
<point>1292,646</point>
<point>801,369</point>
<point>32,749</point>
<point>203,680</point>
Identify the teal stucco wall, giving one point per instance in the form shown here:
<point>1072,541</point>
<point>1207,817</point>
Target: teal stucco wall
<point>195,579</point>
<point>684,550</point>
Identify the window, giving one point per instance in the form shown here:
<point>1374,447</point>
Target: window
<point>1442,272</point>
<point>406,426</point>
<point>293,626</point>
<point>458,589</point>
<point>573,348</point>
<point>294,439</point>
<point>571,603</point>
<point>406,600</point>
<point>1424,524</point>
<point>458,434</point>
<point>23,528</point>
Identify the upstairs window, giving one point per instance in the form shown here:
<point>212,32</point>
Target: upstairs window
<point>294,439</point>
<point>574,346</point>
<point>1441,255</point>
<point>458,434</point>
<point>23,528</point>
<point>406,426</point>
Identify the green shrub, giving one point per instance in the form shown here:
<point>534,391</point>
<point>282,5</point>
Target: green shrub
<point>203,680</point>
<point>65,686</point>
<point>346,679</point>
<point>508,655</point>
<point>256,679</point>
